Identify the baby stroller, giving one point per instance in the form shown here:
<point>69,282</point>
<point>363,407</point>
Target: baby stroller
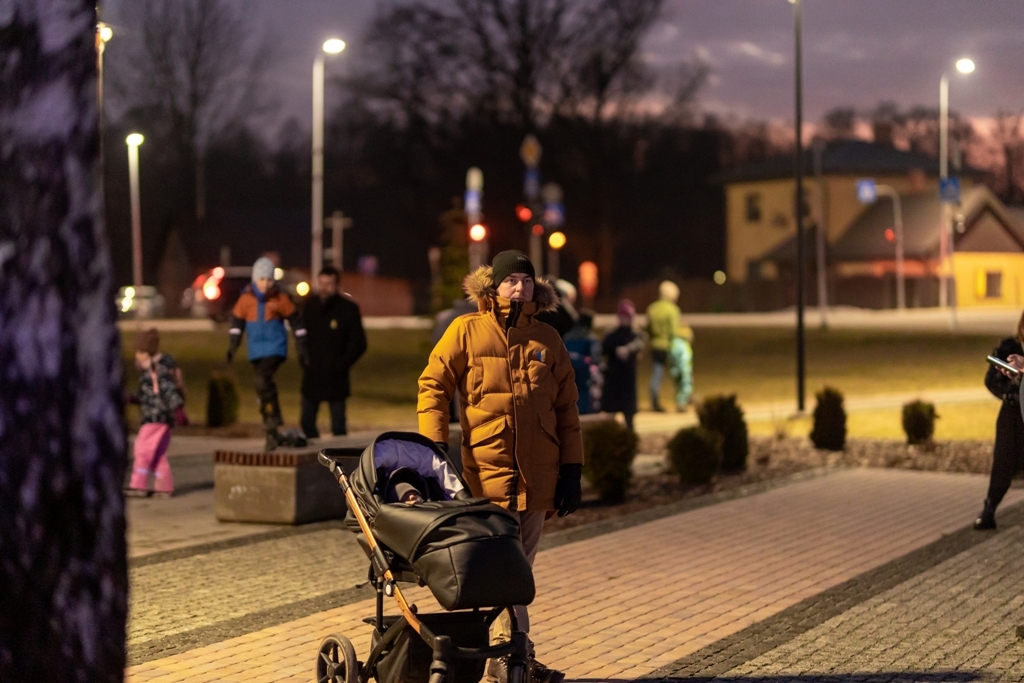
<point>465,550</point>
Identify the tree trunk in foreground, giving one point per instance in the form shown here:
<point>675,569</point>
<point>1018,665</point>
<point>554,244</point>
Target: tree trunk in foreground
<point>63,571</point>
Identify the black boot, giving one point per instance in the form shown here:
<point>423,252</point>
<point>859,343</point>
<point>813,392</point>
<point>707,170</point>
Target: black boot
<point>987,519</point>
<point>272,440</point>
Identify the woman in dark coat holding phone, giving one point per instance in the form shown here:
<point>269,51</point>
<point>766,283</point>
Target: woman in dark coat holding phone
<point>1009,443</point>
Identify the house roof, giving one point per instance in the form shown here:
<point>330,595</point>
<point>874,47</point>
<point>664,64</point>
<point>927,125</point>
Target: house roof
<point>841,157</point>
<point>988,226</point>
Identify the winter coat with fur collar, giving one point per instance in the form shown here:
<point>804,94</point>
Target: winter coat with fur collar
<point>517,396</point>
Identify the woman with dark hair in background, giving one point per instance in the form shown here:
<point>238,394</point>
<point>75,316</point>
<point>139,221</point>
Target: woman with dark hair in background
<point>1009,443</point>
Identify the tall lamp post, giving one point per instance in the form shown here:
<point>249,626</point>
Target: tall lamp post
<point>964,66</point>
<point>556,241</point>
<point>799,204</point>
<point>103,35</point>
<point>332,46</point>
<point>133,141</point>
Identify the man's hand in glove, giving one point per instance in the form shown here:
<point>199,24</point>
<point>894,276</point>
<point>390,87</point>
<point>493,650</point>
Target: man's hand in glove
<point>303,351</point>
<point>231,355</point>
<point>568,492</point>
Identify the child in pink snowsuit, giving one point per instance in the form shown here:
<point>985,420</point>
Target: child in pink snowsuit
<point>159,397</point>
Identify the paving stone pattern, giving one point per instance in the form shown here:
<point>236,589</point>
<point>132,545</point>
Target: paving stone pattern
<point>954,622</point>
<point>792,622</point>
<point>624,604</point>
<point>194,592</point>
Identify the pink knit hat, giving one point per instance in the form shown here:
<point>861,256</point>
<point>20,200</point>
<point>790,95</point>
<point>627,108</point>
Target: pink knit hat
<point>626,307</point>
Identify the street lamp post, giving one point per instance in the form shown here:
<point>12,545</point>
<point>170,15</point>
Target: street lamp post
<point>555,241</point>
<point>103,35</point>
<point>964,66</point>
<point>332,46</point>
<point>133,141</point>
<point>799,202</point>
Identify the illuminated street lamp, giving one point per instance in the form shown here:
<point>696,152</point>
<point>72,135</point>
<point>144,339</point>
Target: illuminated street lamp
<point>331,46</point>
<point>964,66</point>
<point>133,141</point>
<point>477,246</point>
<point>103,35</point>
<point>556,241</point>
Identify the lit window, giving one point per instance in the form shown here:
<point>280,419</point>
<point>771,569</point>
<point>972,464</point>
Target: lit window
<point>994,285</point>
<point>754,207</point>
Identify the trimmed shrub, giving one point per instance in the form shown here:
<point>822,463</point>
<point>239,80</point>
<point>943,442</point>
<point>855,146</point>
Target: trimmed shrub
<point>609,449</point>
<point>695,454</point>
<point>221,400</point>
<point>829,431</point>
<point>723,415</point>
<point>919,422</point>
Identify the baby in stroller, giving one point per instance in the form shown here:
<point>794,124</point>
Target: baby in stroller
<point>418,524</point>
<point>407,486</point>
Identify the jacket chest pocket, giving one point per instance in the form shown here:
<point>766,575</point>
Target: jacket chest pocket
<point>539,375</point>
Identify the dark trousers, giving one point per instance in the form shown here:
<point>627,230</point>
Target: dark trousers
<point>266,389</point>
<point>1007,452</point>
<point>308,419</point>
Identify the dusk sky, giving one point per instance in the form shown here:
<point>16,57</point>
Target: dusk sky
<point>856,52</point>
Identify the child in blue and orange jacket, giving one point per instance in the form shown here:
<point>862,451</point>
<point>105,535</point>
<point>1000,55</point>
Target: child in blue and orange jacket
<point>261,310</point>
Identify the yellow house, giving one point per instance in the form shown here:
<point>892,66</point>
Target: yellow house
<point>760,198</point>
<point>987,261</point>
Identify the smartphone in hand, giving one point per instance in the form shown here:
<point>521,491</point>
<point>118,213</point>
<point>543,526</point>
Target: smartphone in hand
<point>1000,363</point>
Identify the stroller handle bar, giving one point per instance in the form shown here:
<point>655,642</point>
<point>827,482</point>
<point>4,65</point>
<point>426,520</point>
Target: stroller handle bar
<point>380,563</point>
<point>381,566</point>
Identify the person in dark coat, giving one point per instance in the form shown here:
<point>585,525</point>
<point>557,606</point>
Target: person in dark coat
<point>564,317</point>
<point>620,348</point>
<point>336,340</point>
<point>1009,444</point>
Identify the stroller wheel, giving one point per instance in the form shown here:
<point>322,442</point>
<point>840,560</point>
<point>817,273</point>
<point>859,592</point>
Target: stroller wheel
<point>336,661</point>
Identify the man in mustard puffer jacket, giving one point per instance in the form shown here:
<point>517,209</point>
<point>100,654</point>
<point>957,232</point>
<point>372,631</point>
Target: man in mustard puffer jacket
<point>521,442</point>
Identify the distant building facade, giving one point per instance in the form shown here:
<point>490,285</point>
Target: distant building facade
<point>988,262</point>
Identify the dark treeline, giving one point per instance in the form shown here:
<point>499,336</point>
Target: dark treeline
<point>433,89</point>
<point>436,88</point>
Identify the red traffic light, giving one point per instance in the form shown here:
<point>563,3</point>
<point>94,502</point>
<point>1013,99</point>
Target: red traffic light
<point>478,233</point>
<point>890,235</point>
<point>537,229</point>
<point>523,212</point>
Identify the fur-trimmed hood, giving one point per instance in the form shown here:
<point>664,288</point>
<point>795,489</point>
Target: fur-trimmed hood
<point>483,293</point>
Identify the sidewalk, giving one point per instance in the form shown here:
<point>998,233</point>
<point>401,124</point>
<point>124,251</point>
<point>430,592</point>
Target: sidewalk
<point>634,602</point>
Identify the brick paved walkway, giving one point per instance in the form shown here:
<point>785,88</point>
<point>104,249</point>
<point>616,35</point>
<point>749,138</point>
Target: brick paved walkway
<point>954,622</point>
<point>624,604</point>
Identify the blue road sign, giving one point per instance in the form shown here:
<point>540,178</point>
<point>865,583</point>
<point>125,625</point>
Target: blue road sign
<point>554,215</point>
<point>472,202</point>
<point>866,191</point>
<point>949,190</point>
<point>531,184</point>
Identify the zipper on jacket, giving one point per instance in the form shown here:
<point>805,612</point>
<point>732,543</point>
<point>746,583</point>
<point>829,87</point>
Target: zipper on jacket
<point>515,308</point>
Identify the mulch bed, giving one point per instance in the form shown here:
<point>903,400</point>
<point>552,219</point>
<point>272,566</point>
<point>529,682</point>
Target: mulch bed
<point>772,458</point>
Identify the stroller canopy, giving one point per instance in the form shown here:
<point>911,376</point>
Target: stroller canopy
<point>466,550</point>
<point>393,450</point>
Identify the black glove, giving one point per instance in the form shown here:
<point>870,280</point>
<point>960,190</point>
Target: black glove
<point>568,492</point>
<point>231,355</point>
<point>303,351</point>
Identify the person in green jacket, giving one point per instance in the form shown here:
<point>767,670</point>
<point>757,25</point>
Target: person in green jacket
<point>664,323</point>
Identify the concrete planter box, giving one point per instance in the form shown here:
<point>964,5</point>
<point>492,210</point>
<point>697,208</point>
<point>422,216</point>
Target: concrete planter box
<point>276,488</point>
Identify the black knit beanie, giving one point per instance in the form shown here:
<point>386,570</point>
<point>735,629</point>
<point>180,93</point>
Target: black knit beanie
<point>508,262</point>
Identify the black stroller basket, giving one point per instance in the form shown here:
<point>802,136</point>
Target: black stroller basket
<point>465,550</point>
